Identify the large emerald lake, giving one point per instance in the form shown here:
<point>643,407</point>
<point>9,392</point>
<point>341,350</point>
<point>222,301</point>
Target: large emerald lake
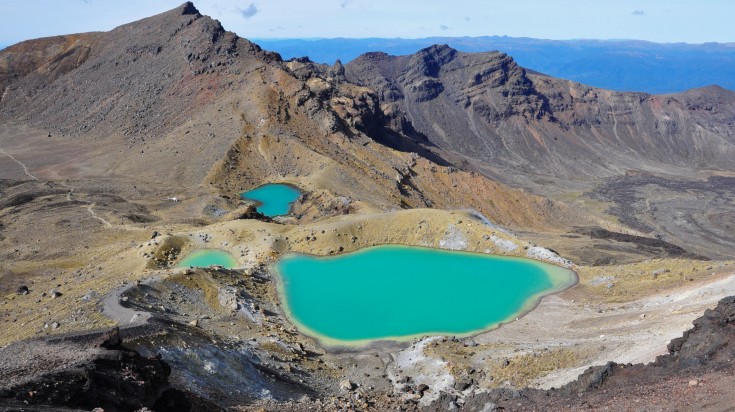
<point>273,199</point>
<point>203,258</point>
<point>398,292</point>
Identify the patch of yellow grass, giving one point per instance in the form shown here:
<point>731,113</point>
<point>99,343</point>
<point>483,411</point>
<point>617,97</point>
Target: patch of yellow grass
<point>521,370</point>
<point>25,316</point>
<point>626,283</point>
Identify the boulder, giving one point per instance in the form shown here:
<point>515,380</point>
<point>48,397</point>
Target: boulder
<point>347,385</point>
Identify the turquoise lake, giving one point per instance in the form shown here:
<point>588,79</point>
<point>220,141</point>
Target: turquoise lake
<point>203,258</point>
<point>399,292</point>
<point>273,199</point>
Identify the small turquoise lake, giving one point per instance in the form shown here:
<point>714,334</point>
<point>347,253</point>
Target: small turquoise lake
<point>273,199</point>
<point>400,292</point>
<point>203,258</point>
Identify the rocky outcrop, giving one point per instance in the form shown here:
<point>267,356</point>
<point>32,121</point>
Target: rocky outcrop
<point>711,340</point>
<point>85,371</point>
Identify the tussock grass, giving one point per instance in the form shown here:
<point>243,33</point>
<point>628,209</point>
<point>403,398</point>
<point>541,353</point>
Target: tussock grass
<point>626,283</point>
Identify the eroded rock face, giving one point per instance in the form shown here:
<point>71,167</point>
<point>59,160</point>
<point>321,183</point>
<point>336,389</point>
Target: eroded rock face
<point>711,340</point>
<point>84,371</point>
<point>487,107</point>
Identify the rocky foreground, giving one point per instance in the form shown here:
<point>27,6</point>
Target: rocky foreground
<point>82,372</point>
<point>87,371</point>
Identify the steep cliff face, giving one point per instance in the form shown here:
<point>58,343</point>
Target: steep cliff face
<point>439,86</point>
<point>487,108</point>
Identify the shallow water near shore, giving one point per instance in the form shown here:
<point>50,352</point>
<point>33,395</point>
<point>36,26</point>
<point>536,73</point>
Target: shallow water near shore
<point>273,199</point>
<point>203,258</point>
<point>399,292</point>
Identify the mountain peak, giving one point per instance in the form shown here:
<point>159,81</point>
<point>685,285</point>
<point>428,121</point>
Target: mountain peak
<point>437,49</point>
<point>429,61</point>
<point>189,8</point>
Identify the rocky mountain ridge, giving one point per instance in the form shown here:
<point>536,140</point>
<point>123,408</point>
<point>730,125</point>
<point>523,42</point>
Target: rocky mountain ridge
<point>569,141</point>
<point>637,65</point>
<point>487,108</point>
<point>70,90</point>
<point>482,106</point>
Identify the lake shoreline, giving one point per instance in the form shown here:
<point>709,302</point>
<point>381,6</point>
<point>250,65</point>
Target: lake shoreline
<point>561,279</point>
<point>273,199</point>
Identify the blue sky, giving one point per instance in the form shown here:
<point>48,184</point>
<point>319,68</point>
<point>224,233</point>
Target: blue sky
<point>691,21</point>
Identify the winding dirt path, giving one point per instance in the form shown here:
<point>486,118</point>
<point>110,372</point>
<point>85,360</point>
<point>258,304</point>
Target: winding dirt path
<point>90,205</point>
<point>94,215</point>
<point>25,168</point>
<point>126,317</point>
<point>90,208</point>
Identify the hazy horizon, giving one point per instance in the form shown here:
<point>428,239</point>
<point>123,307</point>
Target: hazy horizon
<point>707,21</point>
<point>275,39</point>
<point>580,39</point>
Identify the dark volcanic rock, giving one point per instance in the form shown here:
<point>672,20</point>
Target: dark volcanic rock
<point>85,371</point>
<point>188,8</point>
<point>592,378</point>
<point>251,212</point>
<point>711,340</point>
<point>642,242</point>
<point>696,214</point>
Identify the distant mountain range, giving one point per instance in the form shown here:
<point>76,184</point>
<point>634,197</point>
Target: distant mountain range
<point>622,65</point>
